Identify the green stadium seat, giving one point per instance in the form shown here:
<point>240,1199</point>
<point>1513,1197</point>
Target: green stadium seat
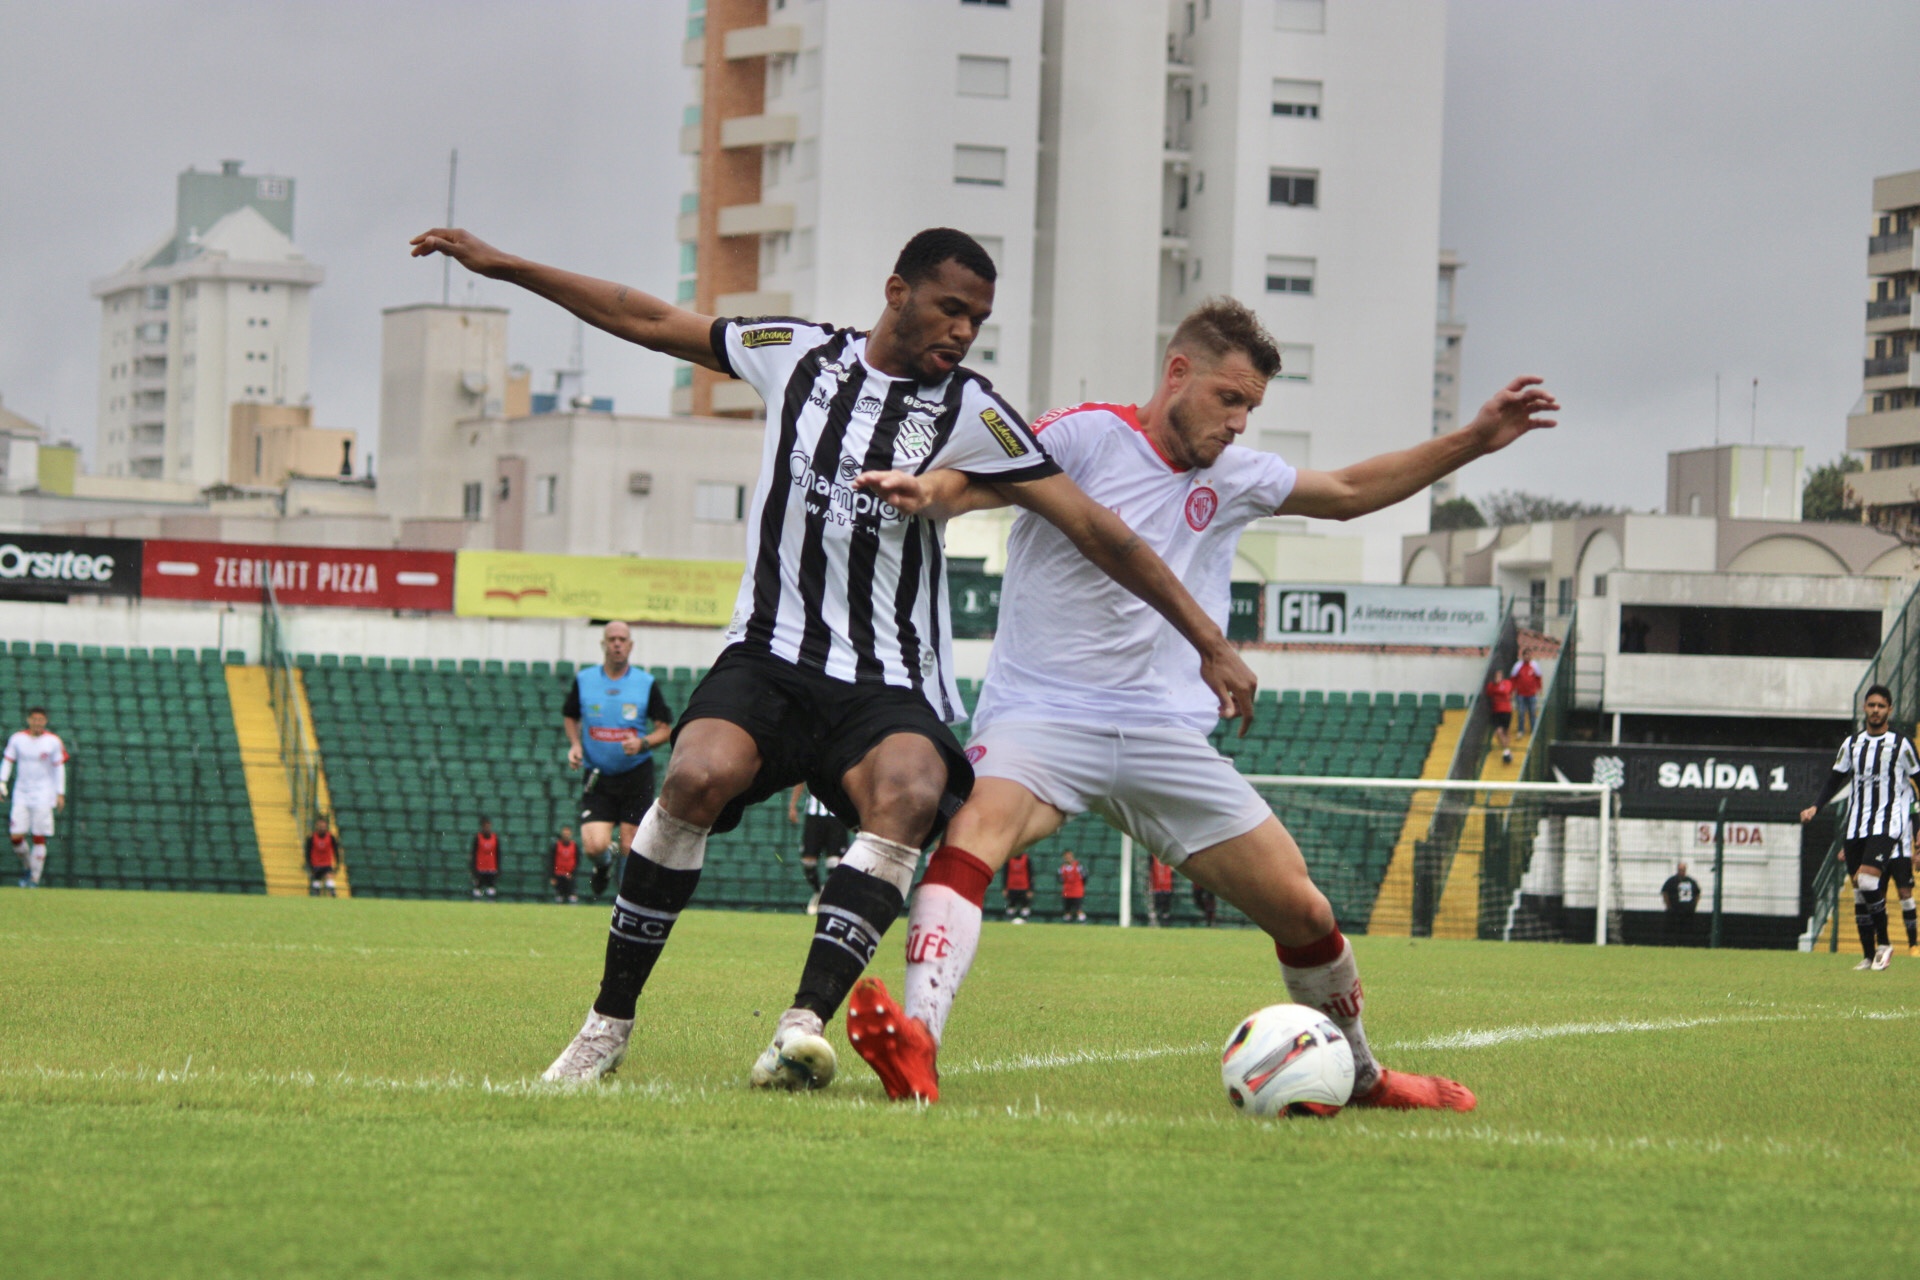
<point>21,648</point>
<point>329,659</point>
<point>69,651</point>
<point>1456,702</point>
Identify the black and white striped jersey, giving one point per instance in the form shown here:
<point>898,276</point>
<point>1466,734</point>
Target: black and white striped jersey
<point>1880,794</point>
<point>837,580</point>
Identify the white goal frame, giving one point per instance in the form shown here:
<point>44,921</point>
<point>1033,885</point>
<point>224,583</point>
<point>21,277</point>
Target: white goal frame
<point>1598,790</point>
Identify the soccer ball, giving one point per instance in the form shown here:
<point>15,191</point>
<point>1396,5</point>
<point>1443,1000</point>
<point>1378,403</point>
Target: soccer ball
<point>1287,1059</point>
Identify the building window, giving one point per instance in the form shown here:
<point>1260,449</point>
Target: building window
<point>996,247</point>
<point>683,376</point>
<point>1600,585</point>
<point>719,503</point>
<point>1297,187</point>
<point>1296,361</point>
<point>546,495</point>
<point>980,166</point>
<point>990,4</point>
<point>156,296</point>
<point>1300,15</point>
<point>1290,275</point>
<point>683,292</point>
<point>470,501</point>
<point>985,77</point>
<point>986,347</point>
<point>1297,98</point>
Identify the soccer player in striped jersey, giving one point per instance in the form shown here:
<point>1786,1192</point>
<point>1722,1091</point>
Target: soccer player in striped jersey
<point>1086,707</point>
<point>1875,767</point>
<point>837,671</point>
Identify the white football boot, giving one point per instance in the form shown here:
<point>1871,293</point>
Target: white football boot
<point>798,1058</point>
<point>1882,957</point>
<point>596,1051</point>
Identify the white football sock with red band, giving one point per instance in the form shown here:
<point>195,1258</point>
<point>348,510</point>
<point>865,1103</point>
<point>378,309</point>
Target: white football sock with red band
<point>1322,975</point>
<point>943,931</point>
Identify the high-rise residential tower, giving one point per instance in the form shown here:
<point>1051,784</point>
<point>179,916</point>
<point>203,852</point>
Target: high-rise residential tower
<point>1886,423</point>
<point>213,314</point>
<point>1448,330</point>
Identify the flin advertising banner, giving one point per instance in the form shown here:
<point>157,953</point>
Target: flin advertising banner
<point>345,577</point>
<point>1352,613</point>
<point>518,584</point>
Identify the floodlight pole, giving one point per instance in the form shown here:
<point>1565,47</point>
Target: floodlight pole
<point>1126,881</point>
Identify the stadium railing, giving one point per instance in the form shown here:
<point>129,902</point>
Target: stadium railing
<point>301,762</point>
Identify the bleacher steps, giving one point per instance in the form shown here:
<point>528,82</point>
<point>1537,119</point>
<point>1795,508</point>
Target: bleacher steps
<point>269,790</point>
<point>1459,913</point>
<point>1393,907</point>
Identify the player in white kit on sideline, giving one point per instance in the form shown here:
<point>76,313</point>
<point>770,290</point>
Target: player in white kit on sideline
<point>38,791</point>
<point>1088,703</point>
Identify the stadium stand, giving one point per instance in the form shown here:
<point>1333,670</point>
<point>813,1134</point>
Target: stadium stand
<point>155,793</point>
<point>416,751</point>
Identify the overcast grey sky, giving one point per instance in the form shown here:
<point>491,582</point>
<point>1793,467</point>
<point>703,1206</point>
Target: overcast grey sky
<point>1646,192</point>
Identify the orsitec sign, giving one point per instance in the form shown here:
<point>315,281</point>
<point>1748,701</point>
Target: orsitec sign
<point>38,566</point>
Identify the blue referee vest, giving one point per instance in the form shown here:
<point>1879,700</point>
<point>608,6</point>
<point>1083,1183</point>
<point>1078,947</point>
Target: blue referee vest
<point>611,711</point>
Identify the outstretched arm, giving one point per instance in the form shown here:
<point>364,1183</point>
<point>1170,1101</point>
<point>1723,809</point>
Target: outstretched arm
<point>1104,538</point>
<point>937,495</point>
<point>1836,783</point>
<point>1393,477</point>
<point>622,311</point>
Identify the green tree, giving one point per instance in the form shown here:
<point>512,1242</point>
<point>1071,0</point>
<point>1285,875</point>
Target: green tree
<point>1825,496</point>
<point>1456,513</point>
<point>1517,506</point>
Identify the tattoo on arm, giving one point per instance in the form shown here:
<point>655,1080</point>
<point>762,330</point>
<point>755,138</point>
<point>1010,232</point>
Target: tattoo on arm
<point>622,295</point>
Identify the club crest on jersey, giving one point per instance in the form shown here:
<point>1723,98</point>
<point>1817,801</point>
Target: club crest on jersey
<point>629,711</point>
<point>1201,504</point>
<point>976,753</point>
<point>754,338</point>
<point>1002,432</point>
<point>914,441</point>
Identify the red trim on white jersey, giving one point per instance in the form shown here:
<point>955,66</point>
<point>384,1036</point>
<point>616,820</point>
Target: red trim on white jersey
<point>1127,413</point>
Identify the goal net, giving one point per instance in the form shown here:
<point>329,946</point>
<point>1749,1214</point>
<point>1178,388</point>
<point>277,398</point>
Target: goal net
<point>1469,859</point>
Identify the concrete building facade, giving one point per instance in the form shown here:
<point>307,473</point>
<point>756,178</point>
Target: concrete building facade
<point>1886,423</point>
<point>217,312</point>
<point>439,366</point>
<point>1449,331</point>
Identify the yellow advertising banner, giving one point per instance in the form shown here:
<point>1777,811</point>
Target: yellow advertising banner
<point>517,584</point>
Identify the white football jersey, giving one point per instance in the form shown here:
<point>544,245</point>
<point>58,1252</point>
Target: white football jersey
<point>1074,646</point>
<point>41,765</point>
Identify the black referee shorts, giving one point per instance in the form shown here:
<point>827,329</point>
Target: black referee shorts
<point>823,836</point>
<point>1875,852</point>
<point>618,797</point>
<point>812,728</point>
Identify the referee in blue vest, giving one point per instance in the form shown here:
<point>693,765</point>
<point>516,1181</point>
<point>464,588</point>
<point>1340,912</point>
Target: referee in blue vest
<point>615,716</point>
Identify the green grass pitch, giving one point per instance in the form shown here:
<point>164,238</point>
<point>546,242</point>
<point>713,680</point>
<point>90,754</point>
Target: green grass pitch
<point>219,1086</point>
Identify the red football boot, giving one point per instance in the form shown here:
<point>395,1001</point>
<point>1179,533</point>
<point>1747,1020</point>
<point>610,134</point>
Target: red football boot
<point>898,1048</point>
<point>1404,1091</point>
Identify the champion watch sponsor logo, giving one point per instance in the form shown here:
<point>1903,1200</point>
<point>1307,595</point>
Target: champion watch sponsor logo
<point>835,499</point>
<point>1003,433</point>
<point>1201,504</point>
<point>754,338</point>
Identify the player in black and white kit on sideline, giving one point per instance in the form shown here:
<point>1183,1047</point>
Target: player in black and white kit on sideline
<point>1876,768</point>
<point>823,838</point>
<point>837,670</point>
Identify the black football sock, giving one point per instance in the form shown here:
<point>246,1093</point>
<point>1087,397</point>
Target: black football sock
<point>1863,921</point>
<point>1880,920</point>
<point>856,910</point>
<point>810,868</point>
<point>1910,916</point>
<point>651,898</point>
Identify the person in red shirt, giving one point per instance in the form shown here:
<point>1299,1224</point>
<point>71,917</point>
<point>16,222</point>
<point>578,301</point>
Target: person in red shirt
<point>1500,706</point>
<point>1073,889</point>
<point>323,856</point>
<point>1526,693</point>
<point>1160,884</point>
<point>566,856</point>
<point>1018,886</point>
<point>486,860</point>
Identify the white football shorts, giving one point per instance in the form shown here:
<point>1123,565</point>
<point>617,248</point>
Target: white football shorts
<point>30,819</point>
<point>1167,788</point>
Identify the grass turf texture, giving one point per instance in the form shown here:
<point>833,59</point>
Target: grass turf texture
<point>206,1085</point>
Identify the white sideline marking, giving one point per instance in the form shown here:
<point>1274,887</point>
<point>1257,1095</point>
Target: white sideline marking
<point>1075,1058</point>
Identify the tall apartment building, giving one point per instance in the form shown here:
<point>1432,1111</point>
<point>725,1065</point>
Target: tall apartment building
<point>1122,162</point>
<point>1448,331</point>
<point>215,313</point>
<point>1886,424</point>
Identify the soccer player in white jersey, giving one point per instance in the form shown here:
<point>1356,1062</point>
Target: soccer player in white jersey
<point>1876,768</point>
<point>1087,705</point>
<point>837,671</point>
<point>39,789</point>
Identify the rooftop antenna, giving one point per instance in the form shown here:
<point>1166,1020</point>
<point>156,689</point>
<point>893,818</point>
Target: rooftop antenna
<point>1716,410</point>
<point>446,263</point>
<point>1753,421</point>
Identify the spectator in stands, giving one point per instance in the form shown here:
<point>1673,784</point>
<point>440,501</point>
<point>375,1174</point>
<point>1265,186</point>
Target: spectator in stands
<point>824,838</point>
<point>1207,903</point>
<point>323,857</point>
<point>1500,712</point>
<point>1017,884</point>
<point>1160,884</point>
<point>486,860</point>
<point>1526,694</point>
<point>566,856</point>
<point>1681,893</point>
<point>614,715</point>
<point>1073,889</point>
